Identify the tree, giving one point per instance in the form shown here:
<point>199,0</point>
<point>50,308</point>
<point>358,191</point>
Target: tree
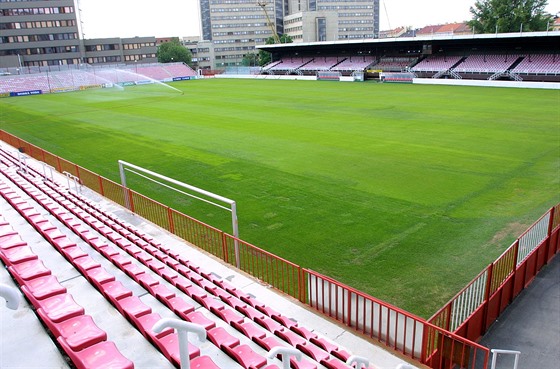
<point>264,56</point>
<point>250,60</point>
<point>491,16</point>
<point>173,51</point>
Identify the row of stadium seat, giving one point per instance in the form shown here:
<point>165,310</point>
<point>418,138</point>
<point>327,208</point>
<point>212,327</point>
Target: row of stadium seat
<point>538,63</point>
<point>76,332</point>
<point>74,78</point>
<point>168,276</point>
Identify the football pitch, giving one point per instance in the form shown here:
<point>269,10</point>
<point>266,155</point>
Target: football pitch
<point>405,192</point>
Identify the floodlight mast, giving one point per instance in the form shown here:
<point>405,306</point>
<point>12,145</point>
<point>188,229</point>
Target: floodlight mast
<point>231,203</point>
<point>263,4</point>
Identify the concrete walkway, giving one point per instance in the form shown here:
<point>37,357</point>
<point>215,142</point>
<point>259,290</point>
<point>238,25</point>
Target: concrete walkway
<point>531,324</point>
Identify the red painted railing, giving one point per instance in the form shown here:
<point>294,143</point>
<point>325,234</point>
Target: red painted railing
<point>431,342</point>
<point>473,310</point>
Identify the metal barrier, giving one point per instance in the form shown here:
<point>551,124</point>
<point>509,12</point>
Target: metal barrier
<point>444,341</point>
<point>471,312</point>
<point>397,329</point>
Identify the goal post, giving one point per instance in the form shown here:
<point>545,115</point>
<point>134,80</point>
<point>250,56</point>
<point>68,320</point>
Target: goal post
<point>230,205</point>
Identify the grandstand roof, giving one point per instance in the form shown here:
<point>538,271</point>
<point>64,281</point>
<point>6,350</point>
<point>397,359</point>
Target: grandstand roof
<point>529,40</point>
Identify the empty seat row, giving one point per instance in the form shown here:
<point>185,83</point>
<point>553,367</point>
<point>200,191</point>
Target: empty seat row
<point>217,296</point>
<point>76,332</point>
<point>139,314</point>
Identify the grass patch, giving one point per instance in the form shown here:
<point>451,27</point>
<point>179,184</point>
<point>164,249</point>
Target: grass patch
<point>403,191</point>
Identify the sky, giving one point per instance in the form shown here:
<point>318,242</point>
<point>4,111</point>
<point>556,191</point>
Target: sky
<point>178,18</point>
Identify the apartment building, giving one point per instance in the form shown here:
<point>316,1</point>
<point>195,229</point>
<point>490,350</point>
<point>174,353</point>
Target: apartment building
<point>40,33</point>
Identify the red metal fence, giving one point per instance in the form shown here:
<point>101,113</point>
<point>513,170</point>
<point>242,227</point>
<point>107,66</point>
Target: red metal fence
<point>473,310</point>
<point>445,341</point>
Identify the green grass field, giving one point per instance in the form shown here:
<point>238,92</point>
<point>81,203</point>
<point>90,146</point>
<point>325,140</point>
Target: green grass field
<point>405,192</point>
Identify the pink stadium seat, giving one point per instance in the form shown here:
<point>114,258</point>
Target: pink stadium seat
<point>198,318</point>
<point>228,315</point>
<point>251,312</point>
<point>334,363</point>
<point>62,243</point>
<point>245,356</point>
<point>220,337</point>
<point>270,324</point>
<point>285,321</point>
<point>162,293</point>
<point>15,255</point>
<point>168,344</point>
<point>303,364</point>
<point>108,251</point>
<point>203,362</point>
<point>146,280</point>
<point>304,332</point>
<point>180,306</point>
<point>11,240</point>
<point>269,342</point>
<point>268,310</point>
<point>121,260</point>
<point>73,252</point>
<point>132,306</point>
<point>114,291</point>
<point>79,332</point>
<point>103,355</point>
<point>330,347</point>
<point>41,288</point>
<point>234,302</point>
<point>98,276</point>
<point>313,351</point>
<point>60,307</point>
<point>290,337</point>
<point>209,301</point>
<point>250,330</point>
<point>133,270</point>
<point>168,274</point>
<point>27,270</point>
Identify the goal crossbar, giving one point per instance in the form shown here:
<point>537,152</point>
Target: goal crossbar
<point>144,173</point>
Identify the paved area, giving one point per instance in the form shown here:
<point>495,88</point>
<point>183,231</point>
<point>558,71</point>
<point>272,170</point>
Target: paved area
<point>531,324</point>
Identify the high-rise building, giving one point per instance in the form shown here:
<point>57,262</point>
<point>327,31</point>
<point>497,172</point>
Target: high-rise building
<point>235,26</point>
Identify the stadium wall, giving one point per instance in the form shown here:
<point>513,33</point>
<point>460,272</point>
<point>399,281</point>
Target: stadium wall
<point>444,341</point>
<point>278,77</point>
<point>419,81</point>
<point>486,83</point>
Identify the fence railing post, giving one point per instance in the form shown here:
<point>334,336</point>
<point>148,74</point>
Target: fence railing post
<point>487,294</point>
<point>514,271</point>
<point>225,248</point>
<point>549,233</point>
<point>170,220</point>
<point>101,191</point>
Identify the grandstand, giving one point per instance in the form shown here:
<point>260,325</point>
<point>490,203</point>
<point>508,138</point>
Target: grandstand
<point>98,281</point>
<point>86,76</point>
<point>431,55</point>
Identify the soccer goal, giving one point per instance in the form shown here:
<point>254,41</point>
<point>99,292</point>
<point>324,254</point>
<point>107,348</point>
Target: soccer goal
<point>186,190</point>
